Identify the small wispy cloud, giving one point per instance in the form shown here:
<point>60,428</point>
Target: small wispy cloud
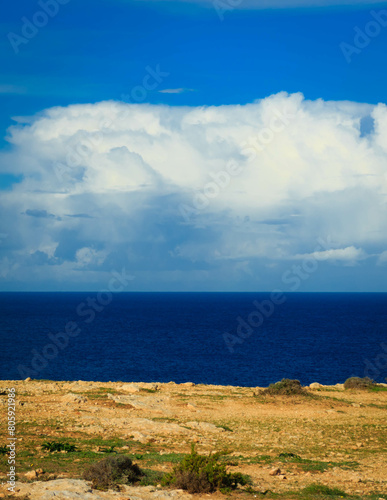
<point>11,89</point>
<point>175,91</point>
<point>349,254</point>
<point>382,258</point>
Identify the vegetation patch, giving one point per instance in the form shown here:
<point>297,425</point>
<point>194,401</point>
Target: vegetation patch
<point>203,474</point>
<point>286,387</point>
<point>112,471</point>
<point>308,465</point>
<point>323,491</point>
<point>3,450</point>
<point>108,450</point>
<point>359,383</point>
<point>58,446</point>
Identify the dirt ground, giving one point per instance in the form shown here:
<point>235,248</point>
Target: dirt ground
<point>332,437</point>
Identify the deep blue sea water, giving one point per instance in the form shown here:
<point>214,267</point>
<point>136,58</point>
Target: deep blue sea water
<point>159,337</point>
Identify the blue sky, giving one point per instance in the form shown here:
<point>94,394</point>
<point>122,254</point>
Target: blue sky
<point>221,79</point>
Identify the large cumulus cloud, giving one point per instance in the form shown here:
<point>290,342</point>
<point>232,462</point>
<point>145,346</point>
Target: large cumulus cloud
<point>193,198</point>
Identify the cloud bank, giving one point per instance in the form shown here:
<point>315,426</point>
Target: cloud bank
<point>193,198</point>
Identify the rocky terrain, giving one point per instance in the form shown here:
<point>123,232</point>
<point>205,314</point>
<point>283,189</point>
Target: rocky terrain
<point>331,437</point>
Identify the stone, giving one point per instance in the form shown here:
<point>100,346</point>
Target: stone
<point>339,386</point>
<point>74,398</point>
<point>132,388</point>
<point>28,379</point>
<point>315,385</point>
<point>275,471</point>
<point>31,474</point>
<point>155,403</point>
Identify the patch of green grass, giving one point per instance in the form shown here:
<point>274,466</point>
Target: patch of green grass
<point>377,388</point>
<point>266,459</point>
<point>308,465</point>
<point>322,491</point>
<point>96,395</point>
<point>173,458</point>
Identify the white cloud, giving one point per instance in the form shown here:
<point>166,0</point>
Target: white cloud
<point>348,255</point>
<point>106,184</point>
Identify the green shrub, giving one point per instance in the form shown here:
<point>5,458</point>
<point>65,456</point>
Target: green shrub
<point>111,471</point>
<point>108,450</point>
<point>203,474</point>
<point>359,383</point>
<point>3,450</point>
<point>286,387</point>
<point>58,446</point>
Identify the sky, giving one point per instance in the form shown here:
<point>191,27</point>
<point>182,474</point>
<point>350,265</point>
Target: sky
<point>194,145</point>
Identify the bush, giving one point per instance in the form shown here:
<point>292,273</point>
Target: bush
<point>286,387</point>
<point>203,474</point>
<point>359,383</point>
<point>111,471</point>
<point>58,446</point>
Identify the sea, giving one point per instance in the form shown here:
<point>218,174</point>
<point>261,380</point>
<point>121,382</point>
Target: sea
<point>239,339</point>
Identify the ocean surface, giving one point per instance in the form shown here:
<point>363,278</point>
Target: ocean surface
<point>245,339</point>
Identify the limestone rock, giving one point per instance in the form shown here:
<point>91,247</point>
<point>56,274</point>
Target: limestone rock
<point>155,403</point>
<point>75,489</point>
<point>31,474</point>
<point>131,388</point>
<point>315,385</point>
<point>74,398</point>
<point>275,471</point>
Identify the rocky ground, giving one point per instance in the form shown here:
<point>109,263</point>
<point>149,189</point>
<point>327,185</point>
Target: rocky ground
<point>334,437</point>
